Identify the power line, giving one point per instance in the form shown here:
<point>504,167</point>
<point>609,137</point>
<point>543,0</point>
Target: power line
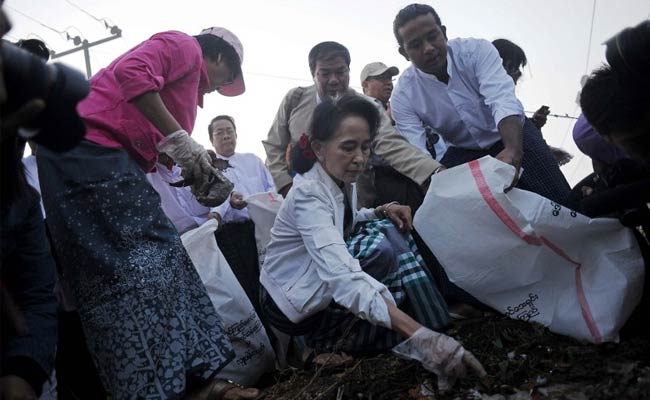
<point>568,128</point>
<point>591,33</point>
<point>108,24</point>
<point>84,11</point>
<point>35,20</point>
<point>106,21</point>
<point>39,37</point>
<point>77,29</point>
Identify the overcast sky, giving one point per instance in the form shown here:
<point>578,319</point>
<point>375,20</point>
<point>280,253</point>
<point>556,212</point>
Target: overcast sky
<point>278,34</point>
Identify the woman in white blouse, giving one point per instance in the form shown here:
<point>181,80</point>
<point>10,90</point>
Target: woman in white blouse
<point>354,296</point>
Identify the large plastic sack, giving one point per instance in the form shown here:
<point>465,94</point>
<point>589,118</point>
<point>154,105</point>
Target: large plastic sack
<point>262,209</point>
<point>254,354</point>
<point>528,257</point>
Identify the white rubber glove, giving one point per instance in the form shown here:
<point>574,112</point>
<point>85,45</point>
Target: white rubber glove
<point>208,184</point>
<point>440,354</point>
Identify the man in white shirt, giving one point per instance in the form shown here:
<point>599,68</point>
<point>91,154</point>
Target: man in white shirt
<point>329,64</point>
<point>178,203</point>
<point>460,89</point>
<point>236,234</point>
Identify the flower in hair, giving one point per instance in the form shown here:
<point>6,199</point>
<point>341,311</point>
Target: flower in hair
<point>303,143</point>
<point>305,147</point>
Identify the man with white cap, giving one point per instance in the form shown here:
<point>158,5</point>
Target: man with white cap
<point>377,81</point>
<point>150,327</point>
<point>329,63</point>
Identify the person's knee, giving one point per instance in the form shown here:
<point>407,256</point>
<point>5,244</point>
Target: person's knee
<point>381,262</point>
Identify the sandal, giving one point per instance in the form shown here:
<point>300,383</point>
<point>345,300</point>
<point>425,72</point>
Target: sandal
<point>218,389</point>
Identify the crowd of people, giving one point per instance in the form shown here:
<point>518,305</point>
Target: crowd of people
<point>97,286</point>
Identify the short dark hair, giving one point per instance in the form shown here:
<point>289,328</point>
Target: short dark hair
<point>610,106</point>
<point>36,47</point>
<point>219,118</point>
<point>212,46</point>
<point>616,98</point>
<point>326,51</point>
<point>510,53</point>
<point>409,13</point>
<point>326,120</point>
<point>628,54</point>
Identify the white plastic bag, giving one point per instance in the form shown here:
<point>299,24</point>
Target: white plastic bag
<point>254,354</point>
<point>262,209</point>
<point>529,257</point>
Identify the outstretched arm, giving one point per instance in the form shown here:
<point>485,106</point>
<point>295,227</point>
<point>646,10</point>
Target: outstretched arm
<point>152,107</point>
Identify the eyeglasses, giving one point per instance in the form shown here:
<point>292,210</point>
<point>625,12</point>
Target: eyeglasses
<point>222,132</point>
<point>326,74</point>
<point>382,78</point>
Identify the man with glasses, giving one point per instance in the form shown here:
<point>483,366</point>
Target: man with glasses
<point>236,234</point>
<point>329,63</point>
<point>377,82</point>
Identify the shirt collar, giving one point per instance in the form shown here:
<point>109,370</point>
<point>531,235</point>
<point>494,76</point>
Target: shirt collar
<point>224,157</point>
<point>318,173</point>
<point>432,76</point>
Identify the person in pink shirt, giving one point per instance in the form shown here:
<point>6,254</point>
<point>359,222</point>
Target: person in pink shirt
<point>149,324</point>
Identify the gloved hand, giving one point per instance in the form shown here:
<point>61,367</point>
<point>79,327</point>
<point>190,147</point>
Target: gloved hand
<point>440,354</point>
<point>208,184</point>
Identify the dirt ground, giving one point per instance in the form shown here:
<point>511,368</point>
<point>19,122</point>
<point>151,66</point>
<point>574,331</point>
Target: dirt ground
<point>523,360</point>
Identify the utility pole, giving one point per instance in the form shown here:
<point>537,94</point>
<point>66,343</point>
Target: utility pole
<point>84,45</point>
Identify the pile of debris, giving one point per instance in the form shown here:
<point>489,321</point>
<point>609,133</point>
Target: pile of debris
<point>523,360</point>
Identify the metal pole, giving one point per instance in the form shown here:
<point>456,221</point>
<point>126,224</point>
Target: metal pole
<point>85,46</point>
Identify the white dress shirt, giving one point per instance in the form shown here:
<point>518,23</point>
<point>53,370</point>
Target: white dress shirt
<point>467,110</point>
<point>179,204</point>
<point>249,175</point>
<point>307,263</point>
<point>31,173</point>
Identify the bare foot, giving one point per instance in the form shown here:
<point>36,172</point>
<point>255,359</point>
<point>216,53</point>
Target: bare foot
<point>237,393</point>
<point>219,389</point>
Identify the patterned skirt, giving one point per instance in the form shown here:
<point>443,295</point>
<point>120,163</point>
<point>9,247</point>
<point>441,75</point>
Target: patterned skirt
<point>393,259</point>
<point>147,318</point>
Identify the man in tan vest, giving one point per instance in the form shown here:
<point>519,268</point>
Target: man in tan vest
<point>329,63</point>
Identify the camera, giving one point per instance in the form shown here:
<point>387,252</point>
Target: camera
<point>27,77</point>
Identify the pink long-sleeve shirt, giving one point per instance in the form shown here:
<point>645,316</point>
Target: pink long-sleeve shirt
<point>170,63</point>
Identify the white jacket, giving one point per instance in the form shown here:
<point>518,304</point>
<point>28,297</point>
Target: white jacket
<point>307,263</point>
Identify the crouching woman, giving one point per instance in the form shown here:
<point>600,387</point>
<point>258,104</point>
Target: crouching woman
<point>349,279</point>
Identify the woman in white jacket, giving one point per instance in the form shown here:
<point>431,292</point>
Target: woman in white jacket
<point>365,295</point>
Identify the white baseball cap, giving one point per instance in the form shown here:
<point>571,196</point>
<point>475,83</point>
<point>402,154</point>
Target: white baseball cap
<point>237,86</point>
<point>376,69</point>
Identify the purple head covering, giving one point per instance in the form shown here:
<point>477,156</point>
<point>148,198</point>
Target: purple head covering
<point>591,143</point>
